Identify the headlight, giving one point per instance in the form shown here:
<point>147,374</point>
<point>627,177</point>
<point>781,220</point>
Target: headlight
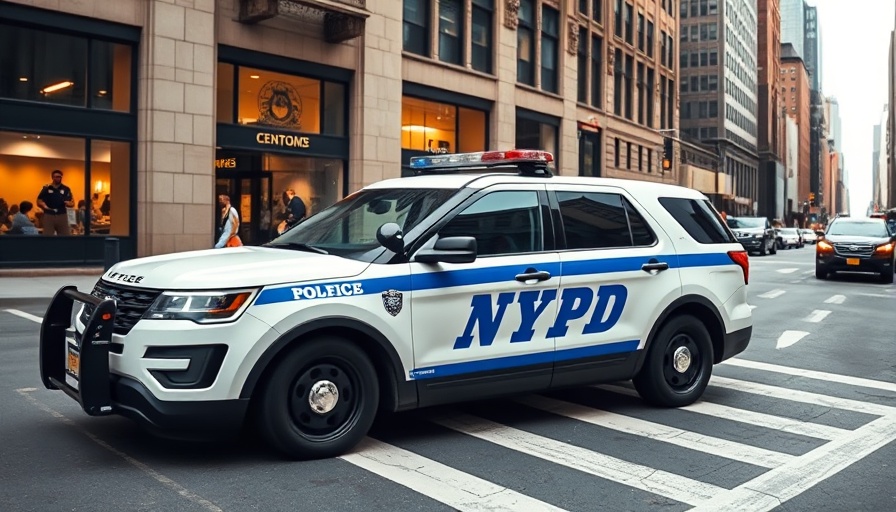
<point>200,307</point>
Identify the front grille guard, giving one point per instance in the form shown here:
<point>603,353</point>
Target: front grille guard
<point>92,347</point>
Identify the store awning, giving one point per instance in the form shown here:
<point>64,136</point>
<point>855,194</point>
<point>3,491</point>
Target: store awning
<point>341,20</point>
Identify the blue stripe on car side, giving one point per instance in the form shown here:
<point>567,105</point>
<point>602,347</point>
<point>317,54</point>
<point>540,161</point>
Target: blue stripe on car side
<point>501,363</point>
<point>470,277</point>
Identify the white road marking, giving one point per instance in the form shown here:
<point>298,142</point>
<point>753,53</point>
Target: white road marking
<point>155,475</point>
<point>877,295</point>
<point>772,294</point>
<point>817,316</point>
<point>645,478</point>
<point>26,316</point>
<point>811,374</point>
<point>458,490</point>
<point>787,270</point>
<point>788,338</point>
<point>835,299</point>
<point>757,419</point>
<point>809,272</point>
<point>676,436</point>
<point>802,396</point>
<point>774,487</point>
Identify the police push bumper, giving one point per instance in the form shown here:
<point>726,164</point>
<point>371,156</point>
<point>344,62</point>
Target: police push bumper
<point>78,364</point>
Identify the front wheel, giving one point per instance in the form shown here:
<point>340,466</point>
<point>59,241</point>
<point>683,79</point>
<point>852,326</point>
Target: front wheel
<point>678,364</point>
<point>820,274</point>
<point>320,400</point>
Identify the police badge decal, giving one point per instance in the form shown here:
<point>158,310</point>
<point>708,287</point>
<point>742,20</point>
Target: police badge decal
<point>392,300</point>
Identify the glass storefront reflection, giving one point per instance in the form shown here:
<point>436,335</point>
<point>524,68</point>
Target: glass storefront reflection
<point>109,170</point>
<point>441,127</point>
<point>277,99</point>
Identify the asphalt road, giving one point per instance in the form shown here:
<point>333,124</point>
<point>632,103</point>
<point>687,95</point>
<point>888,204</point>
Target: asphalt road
<point>805,419</point>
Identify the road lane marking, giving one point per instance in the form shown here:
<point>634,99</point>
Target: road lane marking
<point>835,299</point>
<point>26,316</point>
<point>645,478</point>
<point>774,487</point>
<point>787,270</point>
<point>757,419</point>
<point>817,316</point>
<point>458,490</point>
<point>812,374</point>
<point>788,338</point>
<point>676,436</point>
<point>155,475</point>
<point>877,295</point>
<point>772,294</point>
<point>802,396</point>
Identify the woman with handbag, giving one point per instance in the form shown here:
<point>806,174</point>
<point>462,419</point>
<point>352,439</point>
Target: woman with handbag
<point>229,226</point>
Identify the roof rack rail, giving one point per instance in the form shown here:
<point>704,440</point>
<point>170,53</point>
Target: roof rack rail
<point>526,162</point>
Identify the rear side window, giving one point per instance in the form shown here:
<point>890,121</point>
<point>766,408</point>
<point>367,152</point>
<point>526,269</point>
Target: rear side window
<point>596,220</point>
<point>699,219</point>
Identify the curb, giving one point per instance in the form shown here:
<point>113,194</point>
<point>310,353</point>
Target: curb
<point>51,272</point>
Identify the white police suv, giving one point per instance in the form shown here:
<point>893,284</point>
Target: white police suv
<point>437,288</point>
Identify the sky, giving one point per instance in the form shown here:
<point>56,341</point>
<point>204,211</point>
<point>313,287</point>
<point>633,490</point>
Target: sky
<point>855,38</point>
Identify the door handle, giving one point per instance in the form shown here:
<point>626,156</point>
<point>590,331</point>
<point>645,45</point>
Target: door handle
<point>655,266</point>
<point>532,274</point>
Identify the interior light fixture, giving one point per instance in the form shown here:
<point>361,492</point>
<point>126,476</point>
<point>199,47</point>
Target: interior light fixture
<point>23,79</point>
<point>56,87</point>
<point>102,93</point>
<point>256,77</point>
<point>413,128</point>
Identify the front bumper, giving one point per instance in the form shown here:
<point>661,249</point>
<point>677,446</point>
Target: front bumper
<point>78,364</point>
<point>837,263</point>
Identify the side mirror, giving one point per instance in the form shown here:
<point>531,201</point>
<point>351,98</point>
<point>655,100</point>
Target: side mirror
<point>389,236</point>
<point>455,249</point>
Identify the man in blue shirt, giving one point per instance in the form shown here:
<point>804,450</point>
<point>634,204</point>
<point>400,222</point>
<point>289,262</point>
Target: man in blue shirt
<point>53,199</point>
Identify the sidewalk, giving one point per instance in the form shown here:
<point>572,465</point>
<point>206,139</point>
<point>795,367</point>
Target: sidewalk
<point>44,282</point>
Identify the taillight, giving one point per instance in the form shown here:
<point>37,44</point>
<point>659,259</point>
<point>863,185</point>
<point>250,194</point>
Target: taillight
<point>822,247</point>
<point>743,260</point>
<point>884,249</point>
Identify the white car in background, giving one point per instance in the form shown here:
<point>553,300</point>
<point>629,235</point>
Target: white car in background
<point>809,236</point>
<point>790,237</point>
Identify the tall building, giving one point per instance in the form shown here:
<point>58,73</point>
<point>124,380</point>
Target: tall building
<point>793,24</point>
<point>877,141</point>
<point>771,134</point>
<point>794,83</point>
<point>891,124</point>
<point>153,107</point>
<point>719,92</point>
<point>881,178</point>
<point>812,46</point>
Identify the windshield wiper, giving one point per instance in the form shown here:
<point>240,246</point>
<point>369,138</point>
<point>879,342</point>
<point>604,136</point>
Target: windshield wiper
<point>298,246</point>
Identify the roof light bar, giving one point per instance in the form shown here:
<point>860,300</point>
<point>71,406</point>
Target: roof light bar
<point>481,159</point>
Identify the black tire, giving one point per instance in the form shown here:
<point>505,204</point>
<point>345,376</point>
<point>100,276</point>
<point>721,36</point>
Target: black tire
<point>763,250</point>
<point>886,277</point>
<point>658,382</point>
<point>284,414</point>
<point>820,274</point>
<point>773,249</point>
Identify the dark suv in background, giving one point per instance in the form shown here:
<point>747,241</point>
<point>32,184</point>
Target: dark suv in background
<point>756,234</point>
<point>853,244</point>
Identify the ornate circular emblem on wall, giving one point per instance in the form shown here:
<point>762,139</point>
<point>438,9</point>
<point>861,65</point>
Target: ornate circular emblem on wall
<point>279,105</point>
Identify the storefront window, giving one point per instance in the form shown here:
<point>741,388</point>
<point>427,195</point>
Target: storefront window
<point>316,181</point>
<point>38,65</point>
<point>275,99</point>
<point>224,98</point>
<point>532,134</point>
<point>110,170</point>
<point>27,162</point>
<point>441,127</point>
<point>334,109</point>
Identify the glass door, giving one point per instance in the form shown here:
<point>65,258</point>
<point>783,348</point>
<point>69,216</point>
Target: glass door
<point>250,194</point>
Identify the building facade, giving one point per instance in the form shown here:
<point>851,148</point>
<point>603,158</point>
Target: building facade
<point>719,92</point>
<point>891,122</point>
<point>795,88</point>
<point>771,135</point>
<point>793,24</point>
<point>881,175</point>
<point>171,103</point>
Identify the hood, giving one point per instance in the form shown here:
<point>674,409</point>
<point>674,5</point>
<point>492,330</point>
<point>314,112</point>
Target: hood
<point>231,268</point>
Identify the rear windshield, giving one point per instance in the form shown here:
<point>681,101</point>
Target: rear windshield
<point>699,219</point>
<point>875,228</point>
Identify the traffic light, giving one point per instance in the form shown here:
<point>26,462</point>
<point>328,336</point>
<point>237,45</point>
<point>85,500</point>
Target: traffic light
<point>811,198</point>
<point>667,153</point>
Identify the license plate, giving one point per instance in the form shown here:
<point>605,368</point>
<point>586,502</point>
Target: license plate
<point>852,261</point>
<point>72,365</point>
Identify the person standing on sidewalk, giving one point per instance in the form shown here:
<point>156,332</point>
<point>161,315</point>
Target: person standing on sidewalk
<point>228,230</point>
<point>53,199</point>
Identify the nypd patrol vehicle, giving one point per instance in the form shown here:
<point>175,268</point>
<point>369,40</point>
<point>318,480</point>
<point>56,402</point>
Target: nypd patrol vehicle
<point>441,287</point>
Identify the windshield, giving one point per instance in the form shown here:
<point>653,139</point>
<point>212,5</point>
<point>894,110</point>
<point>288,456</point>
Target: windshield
<point>788,231</point>
<point>348,228</point>
<point>868,228</point>
<point>745,222</point>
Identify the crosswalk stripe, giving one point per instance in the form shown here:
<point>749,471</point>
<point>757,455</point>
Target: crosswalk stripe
<point>645,478</point>
<point>672,435</point>
<point>812,374</point>
<point>835,299</point>
<point>802,396</point>
<point>817,316</point>
<point>757,419</point>
<point>772,294</point>
<point>458,490</point>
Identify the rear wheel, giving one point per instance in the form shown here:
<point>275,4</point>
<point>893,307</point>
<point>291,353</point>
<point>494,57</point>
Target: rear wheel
<point>320,400</point>
<point>678,364</point>
<point>820,274</point>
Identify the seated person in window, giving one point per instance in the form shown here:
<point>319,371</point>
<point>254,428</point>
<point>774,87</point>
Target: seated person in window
<point>21,224</point>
